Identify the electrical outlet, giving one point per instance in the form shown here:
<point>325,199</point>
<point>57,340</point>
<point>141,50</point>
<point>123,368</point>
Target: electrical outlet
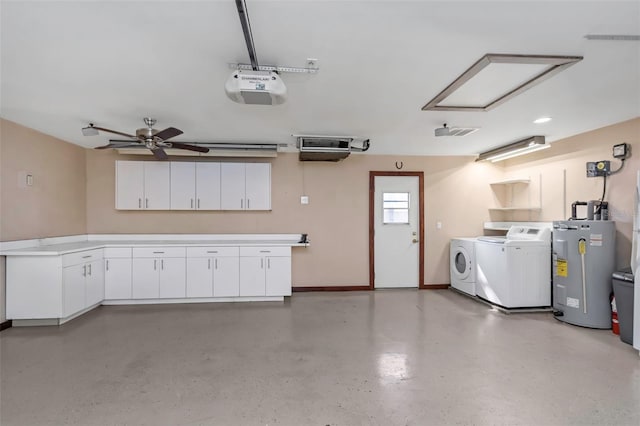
<point>304,199</point>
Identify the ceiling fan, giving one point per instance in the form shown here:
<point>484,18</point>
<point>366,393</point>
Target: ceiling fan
<point>151,138</point>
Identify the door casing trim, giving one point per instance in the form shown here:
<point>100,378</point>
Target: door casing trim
<point>372,192</point>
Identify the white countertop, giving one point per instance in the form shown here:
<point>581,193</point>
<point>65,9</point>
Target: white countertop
<point>48,249</point>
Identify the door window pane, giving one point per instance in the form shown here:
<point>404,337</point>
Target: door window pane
<point>395,207</point>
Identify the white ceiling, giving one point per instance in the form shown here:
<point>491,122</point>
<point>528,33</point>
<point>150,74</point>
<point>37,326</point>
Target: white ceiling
<point>65,64</point>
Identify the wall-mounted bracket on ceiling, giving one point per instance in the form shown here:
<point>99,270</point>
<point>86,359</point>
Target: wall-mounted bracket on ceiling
<point>544,67</point>
<point>274,68</point>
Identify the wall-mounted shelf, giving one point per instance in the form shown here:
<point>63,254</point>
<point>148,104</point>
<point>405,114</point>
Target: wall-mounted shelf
<point>516,208</point>
<point>510,182</point>
<point>514,195</point>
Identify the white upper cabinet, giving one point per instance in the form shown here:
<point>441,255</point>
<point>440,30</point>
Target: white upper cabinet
<point>142,185</point>
<point>207,186</point>
<point>258,186</point>
<point>129,185</point>
<point>245,186</point>
<point>232,186</point>
<point>183,186</point>
<point>156,185</point>
<point>151,185</point>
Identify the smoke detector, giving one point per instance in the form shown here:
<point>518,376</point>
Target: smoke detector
<point>454,131</point>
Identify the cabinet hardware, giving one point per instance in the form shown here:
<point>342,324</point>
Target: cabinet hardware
<point>241,203</point>
<point>107,265</point>
<point>265,251</point>
<point>139,203</point>
<point>216,263</point>
<point>162,264</point>
<point>212,251</point>
<point>146,202</point>
<point>154,264</point>
<point>268,263</point>
<point>89,270</point>
<point>198,202</point>
<point>158,252</point>
<point>86,257</point>
<point>192,203</point>
<point>261,263</point>
<point>208,263</point>
<point>84,271</point>
<point>248,201</point>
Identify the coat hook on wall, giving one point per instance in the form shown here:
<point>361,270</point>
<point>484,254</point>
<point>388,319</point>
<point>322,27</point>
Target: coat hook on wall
<point>399,166</point>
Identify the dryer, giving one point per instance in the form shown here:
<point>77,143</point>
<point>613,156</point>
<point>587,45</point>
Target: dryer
<point>463,265</point>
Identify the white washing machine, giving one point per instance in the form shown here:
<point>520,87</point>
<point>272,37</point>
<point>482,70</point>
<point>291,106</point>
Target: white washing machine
<point>463,265</point>
<point>515,272</point>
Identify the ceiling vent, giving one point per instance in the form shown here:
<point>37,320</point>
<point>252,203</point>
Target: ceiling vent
<point>328,148</point>
<point>454,131</point>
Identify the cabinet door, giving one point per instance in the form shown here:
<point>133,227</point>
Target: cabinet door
<point>73,279</point>
<point>129,185</point>
<point>226,277</point>
<point>94,291</point>
<point>278,278</point>
<point>117,279</point>
<point>199,277</point>
<point>183,186</point>
<point>173,276</point>
<point>232,186</point>
<point>157,184</point>
<point>258,186</point>
<point>145,274</point>
<point>252,276</point>
<point>208,186</point>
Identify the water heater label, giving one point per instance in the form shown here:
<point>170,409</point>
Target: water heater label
<point>573,303</point>
<point>561,268</point>
<point>595,240</point>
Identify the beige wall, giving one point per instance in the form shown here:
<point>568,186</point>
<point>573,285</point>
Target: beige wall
<point>336,219</point>
<point>73,193</point>
<point>56,203</point>
<point>569,158</point>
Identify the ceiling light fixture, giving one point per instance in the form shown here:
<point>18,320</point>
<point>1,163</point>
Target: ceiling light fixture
<point>612,37</point>
<point>542,120</point>
<point>521,147</point>
<point>545,67</point>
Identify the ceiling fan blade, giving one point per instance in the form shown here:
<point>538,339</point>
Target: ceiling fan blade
<point>180,145</point>
<point>117,145</point>
<point>159,154</point>
<point>114,132</point>
<point>168,133</point>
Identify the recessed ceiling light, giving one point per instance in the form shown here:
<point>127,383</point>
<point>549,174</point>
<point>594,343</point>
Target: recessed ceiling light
<point>542,120</point>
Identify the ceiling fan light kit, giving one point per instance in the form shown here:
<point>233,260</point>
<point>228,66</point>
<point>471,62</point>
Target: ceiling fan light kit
<point>147,137</point>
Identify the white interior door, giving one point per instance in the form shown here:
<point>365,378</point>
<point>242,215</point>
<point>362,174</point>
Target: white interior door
<point>396,231</point>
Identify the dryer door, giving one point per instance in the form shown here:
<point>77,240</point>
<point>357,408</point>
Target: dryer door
<point>461,263</point>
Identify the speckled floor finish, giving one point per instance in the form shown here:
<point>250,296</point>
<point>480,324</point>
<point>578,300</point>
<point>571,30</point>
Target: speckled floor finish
<point>400,357</point>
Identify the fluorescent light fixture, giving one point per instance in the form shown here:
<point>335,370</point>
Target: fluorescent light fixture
<point>613,37</point>
<point>533,69</point>
<point>542,120</point>
<point>521,147</point>
<point>215,150</point>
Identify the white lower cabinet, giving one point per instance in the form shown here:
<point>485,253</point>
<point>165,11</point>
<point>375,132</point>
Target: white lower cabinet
<point>158,273</point>
<point>213,272</point>
<point>117,278</point>
<point>82,281</point>
<point>265,271</point>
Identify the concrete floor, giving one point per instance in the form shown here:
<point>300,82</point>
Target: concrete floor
<point>400,357</point>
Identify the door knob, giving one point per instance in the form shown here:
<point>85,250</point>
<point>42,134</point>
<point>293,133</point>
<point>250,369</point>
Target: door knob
<point>415,240</point>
